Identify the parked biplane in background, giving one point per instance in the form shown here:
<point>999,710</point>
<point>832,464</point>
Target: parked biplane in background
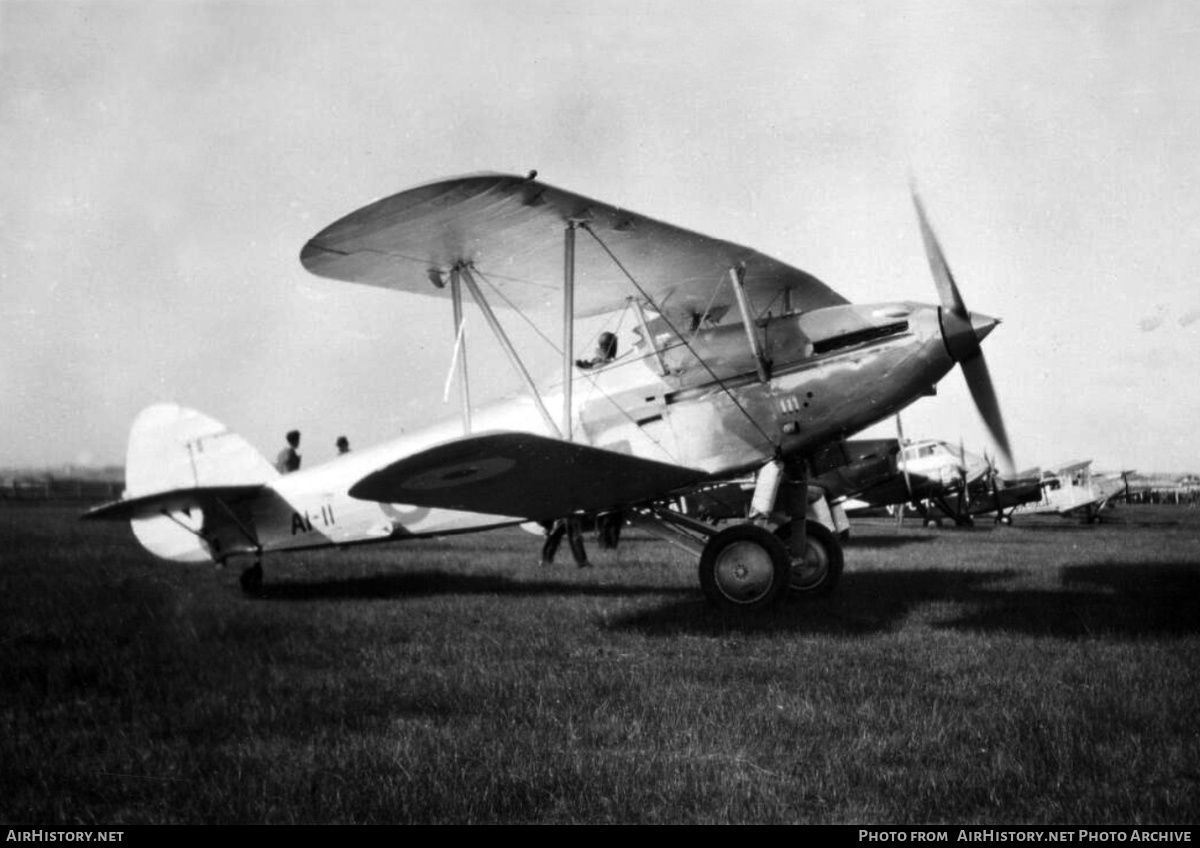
<point>1073,490</point>
<point>934,479</point>
<point>939,480</point>
<point>691,401</point>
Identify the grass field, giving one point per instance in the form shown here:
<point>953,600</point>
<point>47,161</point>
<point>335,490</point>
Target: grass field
<point>1045,673</point>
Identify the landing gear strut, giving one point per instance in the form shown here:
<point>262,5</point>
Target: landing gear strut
<point>252,579</point>
<point>817,572</point>
<point>747,567</point>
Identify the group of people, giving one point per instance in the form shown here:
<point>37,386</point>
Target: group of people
<point>608,532</point>
<point>289,458</point>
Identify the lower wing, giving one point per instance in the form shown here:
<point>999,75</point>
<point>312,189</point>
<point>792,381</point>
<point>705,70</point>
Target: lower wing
<point>525,475</point>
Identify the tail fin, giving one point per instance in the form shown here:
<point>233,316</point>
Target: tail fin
<point>185,475</point>
<point>173,447</point>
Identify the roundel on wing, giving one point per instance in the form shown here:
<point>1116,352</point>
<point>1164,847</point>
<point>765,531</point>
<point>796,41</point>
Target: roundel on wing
<point>460,474</point>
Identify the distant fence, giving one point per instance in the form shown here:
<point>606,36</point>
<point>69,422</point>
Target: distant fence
<point>1188,497</point>
<point>60,490</point>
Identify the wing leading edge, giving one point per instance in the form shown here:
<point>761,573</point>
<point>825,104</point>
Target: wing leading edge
<point>510,229</point>
<point>174,500</point>
<point>524,475</point>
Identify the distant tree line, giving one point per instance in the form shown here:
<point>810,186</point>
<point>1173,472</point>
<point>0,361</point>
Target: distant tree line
<point>103,484</point>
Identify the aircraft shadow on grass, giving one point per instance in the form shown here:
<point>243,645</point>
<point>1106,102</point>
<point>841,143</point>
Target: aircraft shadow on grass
<point>1109,600</point>
<point>878,541</point>
<point>430,582</point>
<point>557,580</point>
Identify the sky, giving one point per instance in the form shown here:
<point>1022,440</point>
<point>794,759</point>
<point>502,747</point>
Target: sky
<point>163,163</point>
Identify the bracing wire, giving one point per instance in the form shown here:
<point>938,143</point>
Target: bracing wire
<point>480,275</point>
<point>514,308</point>
<point>708,306</point>
<point>678,335</point>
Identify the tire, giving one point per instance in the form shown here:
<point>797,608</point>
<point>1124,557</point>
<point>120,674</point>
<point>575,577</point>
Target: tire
<point>744,568</point>
<point>818,573</point>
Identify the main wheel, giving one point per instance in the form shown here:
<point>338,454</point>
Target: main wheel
<point>817,573</point>
<point>744,568</point>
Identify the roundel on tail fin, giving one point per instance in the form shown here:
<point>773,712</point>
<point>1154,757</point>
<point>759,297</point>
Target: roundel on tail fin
<point>172,537</point>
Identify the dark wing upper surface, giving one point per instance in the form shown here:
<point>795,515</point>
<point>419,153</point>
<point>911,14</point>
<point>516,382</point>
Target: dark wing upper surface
<point>511,230</point>
<point>522,474</point>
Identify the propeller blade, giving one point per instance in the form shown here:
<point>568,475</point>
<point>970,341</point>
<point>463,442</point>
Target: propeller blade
<point>903,461</point>
<point>903,470</point>
<point>979,381</point>
<point>963,332</point>
<point>995,493</point>
<point>943,279</point>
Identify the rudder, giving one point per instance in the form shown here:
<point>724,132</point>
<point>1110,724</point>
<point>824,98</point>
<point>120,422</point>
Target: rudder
<point>171,449</point>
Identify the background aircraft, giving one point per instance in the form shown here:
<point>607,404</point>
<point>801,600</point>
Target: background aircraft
<point>693,401</point>
<point>938,479</point>
<point>1073,490</point>
<point>934,478</point>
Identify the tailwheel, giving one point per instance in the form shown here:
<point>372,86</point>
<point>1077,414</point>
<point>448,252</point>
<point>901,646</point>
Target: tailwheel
<point>817,573</point>
<point>252,579</point>
<point>744,568</point>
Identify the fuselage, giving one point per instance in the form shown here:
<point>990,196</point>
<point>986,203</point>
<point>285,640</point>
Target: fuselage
<point>702,404</point>
<point>1068,489</point>
<point>928,469</point>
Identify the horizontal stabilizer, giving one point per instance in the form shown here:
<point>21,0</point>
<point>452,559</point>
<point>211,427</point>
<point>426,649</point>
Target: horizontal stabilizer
<point>521,474</point>
<point>175,500</point>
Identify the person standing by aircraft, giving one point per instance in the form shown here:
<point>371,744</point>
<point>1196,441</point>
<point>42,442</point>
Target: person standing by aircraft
<point>555,530</point>
<point>289,458</point>
<point>608,528</point>
<point>343,445</point>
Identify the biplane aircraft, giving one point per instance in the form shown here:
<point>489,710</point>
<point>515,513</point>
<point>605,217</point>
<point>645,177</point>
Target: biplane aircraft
<point>1073,490</point>
<point>938,479</point>
<point>933,478</point>
<point>742,365</point>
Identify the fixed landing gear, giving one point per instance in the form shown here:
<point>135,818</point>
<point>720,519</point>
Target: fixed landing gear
<point>744,567</point>
<point>816,574</point>
<point>252,579</point>
<point>747,567</point>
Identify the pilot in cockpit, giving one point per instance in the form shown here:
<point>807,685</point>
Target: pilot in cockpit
<point>606,351</point>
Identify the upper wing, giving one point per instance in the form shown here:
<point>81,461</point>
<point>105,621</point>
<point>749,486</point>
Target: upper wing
<point>511,229</point>
<point>523,474</point>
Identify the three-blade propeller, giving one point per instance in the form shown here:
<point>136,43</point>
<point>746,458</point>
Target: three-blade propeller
<point>963,331</point>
